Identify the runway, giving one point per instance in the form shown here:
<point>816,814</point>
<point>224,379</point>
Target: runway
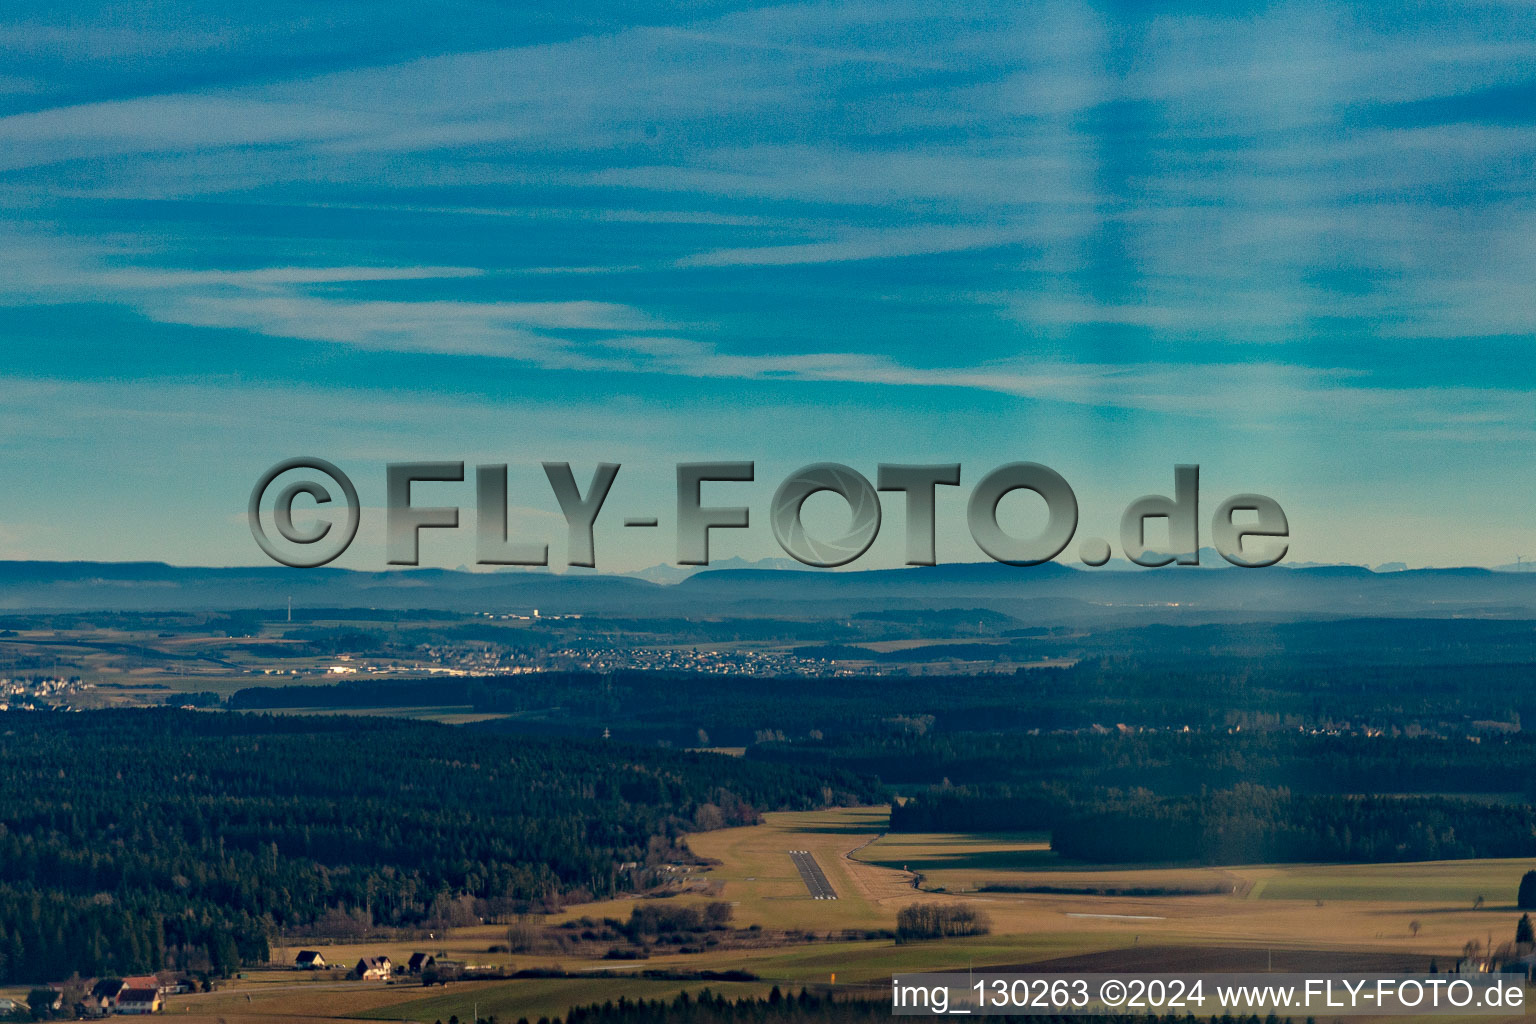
<point>811,873</point>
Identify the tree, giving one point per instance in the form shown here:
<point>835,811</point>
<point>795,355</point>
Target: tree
<point>523,934</point>
<point>225,956</point>
<point>927,921</point>
<point>72,991</point>
<point>717,915</point>
<point>1414,926</point>
<point>1527,897</point>
<point>42,1002</point>
<point>1524,933</point>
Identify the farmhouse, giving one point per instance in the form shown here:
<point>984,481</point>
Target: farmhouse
<point>108,989</point>
<point>309,960</point>
<point>92,1005</point>
<point>145,981</point>
<point>139,1000</point>
<point>419,961</point>
<point>374,968</point>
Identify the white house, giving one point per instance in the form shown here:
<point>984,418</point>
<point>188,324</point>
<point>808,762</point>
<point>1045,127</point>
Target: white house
<point>374,968</point>
<point>140,1000</point>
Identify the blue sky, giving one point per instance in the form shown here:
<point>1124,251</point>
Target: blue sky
<point>1294,243</point>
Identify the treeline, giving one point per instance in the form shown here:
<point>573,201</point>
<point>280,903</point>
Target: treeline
<point>1242,825</point>
<point>136,840</point>
<point>1000,808</point>
<point>649,920</point>
<point>816,1008</point>
<point>372,693</point>
<point>651,707</point>
<point>1250,824</point>
<point>1017,650</point>
<point>713,1008</point>
<point>1008,782</point>
<point>1172,762</point>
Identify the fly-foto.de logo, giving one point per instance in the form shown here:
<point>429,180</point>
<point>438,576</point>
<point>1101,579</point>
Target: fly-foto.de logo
<point>1248,530</point>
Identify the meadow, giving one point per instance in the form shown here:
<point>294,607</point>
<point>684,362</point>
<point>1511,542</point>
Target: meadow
<point>1288,915</point>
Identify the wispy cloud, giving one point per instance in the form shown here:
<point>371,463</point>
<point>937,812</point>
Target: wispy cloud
<point>339,305</point>
<point>267,277</point>
<point>867,245</point>
<point>1304,217</point>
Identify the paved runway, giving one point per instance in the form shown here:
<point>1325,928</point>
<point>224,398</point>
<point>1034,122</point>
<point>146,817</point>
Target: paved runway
<point>811,874</point>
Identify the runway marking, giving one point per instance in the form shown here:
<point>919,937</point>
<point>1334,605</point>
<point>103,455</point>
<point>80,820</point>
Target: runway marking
<point>811,874</point>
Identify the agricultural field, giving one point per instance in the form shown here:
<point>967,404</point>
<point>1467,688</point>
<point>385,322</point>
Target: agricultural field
<point>1356,906</point>
<point>506,1000</point>
<point>1291,916</point>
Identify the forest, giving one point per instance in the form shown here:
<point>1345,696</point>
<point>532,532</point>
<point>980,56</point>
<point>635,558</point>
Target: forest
<point>1151,723</point>
<point>1219,797</point>
<point>1253,825</point>
<point>1177,762</point>
<point>134,840</point>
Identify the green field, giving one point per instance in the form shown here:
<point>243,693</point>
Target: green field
<point>1457,882</point>
<point>538,997</point>
<point>961,857</point>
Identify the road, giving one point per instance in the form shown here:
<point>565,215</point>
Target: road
<point>811,874</point>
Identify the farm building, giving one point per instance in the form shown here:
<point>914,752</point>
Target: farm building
<point>139,1000</point>
<point>108,989</point>
<point>374,968</point>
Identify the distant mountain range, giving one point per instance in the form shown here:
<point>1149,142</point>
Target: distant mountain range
<point>678,573</point>
<point>1047,594</point>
